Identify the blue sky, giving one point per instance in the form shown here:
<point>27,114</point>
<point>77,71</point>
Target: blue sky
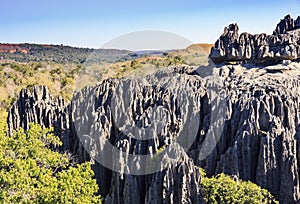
<point>91,23</point>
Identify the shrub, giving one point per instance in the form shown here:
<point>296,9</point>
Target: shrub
<point>30,172</point>
<point>223,189</point>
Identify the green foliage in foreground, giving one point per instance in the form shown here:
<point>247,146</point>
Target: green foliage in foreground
<point>223,189</point>
<point>32,173</point>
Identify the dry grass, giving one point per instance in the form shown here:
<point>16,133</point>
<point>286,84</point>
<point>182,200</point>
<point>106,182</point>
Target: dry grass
<point>201,47</point>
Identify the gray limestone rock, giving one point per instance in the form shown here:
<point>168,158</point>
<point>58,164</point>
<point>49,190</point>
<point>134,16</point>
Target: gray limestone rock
<point>261,49</point>
<point>287,24</point>
<point>110,115</point>
<point>146,137</point>
<point>38,106</point>
<point>256,138</point>
<point>260,141</point>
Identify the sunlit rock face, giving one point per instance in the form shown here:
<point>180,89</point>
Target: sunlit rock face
<point>263,49</point>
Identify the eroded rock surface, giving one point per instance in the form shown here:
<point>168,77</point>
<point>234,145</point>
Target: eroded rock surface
<point>165,107</point>
<point>284,44</point>
<point>242,120</point>
<point>260,141</point>
<point>257,137</point>
<point>38,106</point>
<point>287,24</point>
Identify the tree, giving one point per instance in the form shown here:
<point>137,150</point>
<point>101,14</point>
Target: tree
<point>223,189</point>
<point>30,172</point>
<point>178,60</point>
<point>135,64</point>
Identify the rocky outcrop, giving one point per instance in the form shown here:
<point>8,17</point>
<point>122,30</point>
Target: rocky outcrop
<point>254,135</point>
<point>147,137</point>
<point>104,115</point>
<point>38,106</point>
<point>176,183</point>
<point>113,116</point>
<point>287,24</point>
<point>260,141</point>
<point>263,49</point>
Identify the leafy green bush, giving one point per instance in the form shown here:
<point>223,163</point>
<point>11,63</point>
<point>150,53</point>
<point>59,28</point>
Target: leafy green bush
<point>223,189</point>
<point>30,172</point>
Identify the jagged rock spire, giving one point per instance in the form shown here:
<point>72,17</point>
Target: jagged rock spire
<point>287,24</point>
<point>284,44</point>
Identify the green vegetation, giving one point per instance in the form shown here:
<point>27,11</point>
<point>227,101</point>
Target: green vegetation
<point>32,173</point>
<point>63,69</point>
<point>195,54</point>
<point>223,189</point>
<point>63,54</point>
<point>16,76</point>
<point>143,66</point>
<point>62,79</point>
<point>193,59</point>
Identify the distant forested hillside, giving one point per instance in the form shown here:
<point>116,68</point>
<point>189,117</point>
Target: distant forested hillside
<point>60,53</point>
<point>61,68</point>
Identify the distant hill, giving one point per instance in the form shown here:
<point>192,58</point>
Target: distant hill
<point>12,48</point>
<point>204,47</point>
<point>66,54</point>
<point>59,53</point>
<point>195,54</point>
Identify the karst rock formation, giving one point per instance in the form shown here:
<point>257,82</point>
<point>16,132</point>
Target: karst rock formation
<point>240,116</point>
<point>283,44</point>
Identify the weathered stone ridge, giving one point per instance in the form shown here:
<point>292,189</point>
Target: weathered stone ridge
<point>259,138</point>
<point>38,106</point>
<point>91,111</point>
<point>260,141</point>
<point>248,114</point>
<point>264,49</point>
<point>287,24</point>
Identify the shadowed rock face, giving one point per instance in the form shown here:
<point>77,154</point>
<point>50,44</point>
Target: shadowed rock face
<point>38,106</point>
<point>264,49</point>
<point>259,136</point>
<point>287,24</point>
